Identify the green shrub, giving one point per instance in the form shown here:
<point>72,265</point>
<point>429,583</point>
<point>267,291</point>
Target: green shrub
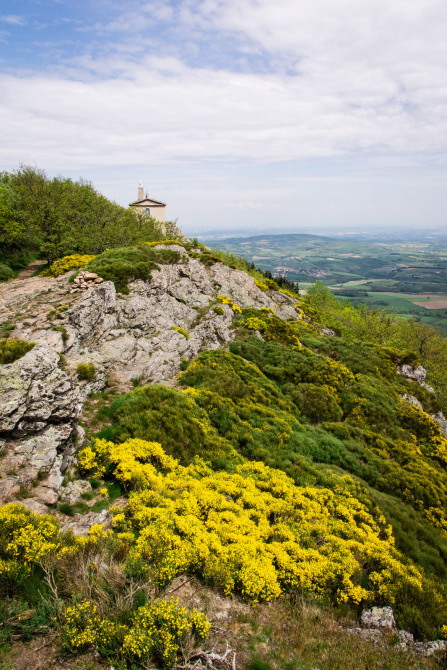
<point>5,272</point>
<point>317,403</point>
<point>66,508</point>
<point>128,263</point>
<point>168,416</point>
<point>219,310</point>
<point>11,350</point>
<point>86,371</point>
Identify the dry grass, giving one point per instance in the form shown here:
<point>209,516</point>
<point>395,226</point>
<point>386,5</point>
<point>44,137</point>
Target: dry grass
<point>306,637</point>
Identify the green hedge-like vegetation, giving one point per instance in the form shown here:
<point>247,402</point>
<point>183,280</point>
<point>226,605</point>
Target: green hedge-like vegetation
<point>12,349</point>
<point>5,272</point>
<point>127,263</point>
<point>59,217</point>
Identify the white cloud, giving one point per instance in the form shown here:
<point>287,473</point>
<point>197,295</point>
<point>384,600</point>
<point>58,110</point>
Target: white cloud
<point>13,19</point>
<point>341,79</point>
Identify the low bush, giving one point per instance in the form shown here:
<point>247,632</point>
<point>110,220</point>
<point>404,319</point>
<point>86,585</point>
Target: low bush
<point>12,349</point>
<point>86,371</point>
<point>67,263</point>
<point>128,263</point>
<point>5,272</point>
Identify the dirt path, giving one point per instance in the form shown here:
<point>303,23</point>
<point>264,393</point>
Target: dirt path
<point>30,269</point>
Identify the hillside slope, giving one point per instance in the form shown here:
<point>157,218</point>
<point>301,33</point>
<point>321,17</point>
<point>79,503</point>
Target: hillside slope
<point>282,463</point>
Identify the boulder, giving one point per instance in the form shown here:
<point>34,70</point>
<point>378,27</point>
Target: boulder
<point>430,648</point>
<point>35,392</point>
<point>380,618</point>
<point>74,490</point>
<point>416,374</point>
<point>39,408</point>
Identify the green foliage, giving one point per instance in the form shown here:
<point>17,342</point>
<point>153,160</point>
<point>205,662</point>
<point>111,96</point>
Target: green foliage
<point>13,231</point>
<point>317,403</point>
<point>5,272</point>
<point>13,349</point>
<point>59,217</point>
<point>127,263</point>
<point>170,417</point>
<point>415,340</point>
<point>86,371</point>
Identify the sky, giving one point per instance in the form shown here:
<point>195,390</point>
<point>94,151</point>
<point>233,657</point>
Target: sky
<point>239,114</point>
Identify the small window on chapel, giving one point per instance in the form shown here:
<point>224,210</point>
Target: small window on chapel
<point>148,211</point>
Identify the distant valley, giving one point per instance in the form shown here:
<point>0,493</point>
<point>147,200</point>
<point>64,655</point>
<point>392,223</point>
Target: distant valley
<point>407,276</point>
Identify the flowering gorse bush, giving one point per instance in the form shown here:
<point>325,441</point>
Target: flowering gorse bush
<point>62,265</point>
<point>225,300</point>
<point>156,631</point>
<point>252,531</point>
<point>271,327</point>
<point>25,539</point>
<point>160,628</point>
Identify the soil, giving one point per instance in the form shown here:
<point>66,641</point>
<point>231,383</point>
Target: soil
<point>30,269</point>
<point>433,304</point>
<point>41,653</point>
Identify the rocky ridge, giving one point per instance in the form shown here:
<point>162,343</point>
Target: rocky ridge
<point>141,337</point>
<point>126,337</point>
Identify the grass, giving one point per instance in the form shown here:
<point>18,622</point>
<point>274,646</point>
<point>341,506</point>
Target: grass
<point>306,636</point>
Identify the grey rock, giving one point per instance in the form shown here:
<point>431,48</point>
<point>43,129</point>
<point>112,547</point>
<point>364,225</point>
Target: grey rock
<point>74,490</point>
<point>35,506</point>
<point>9,489</point>
<point>35,392</point>
<point>441,421</point>
<point>430,648</point>
<point>379,618</point>
<point>416,374</point>
<point>405,638</point>
<point>413,401</point>
<point>80,524</point>
<point>39,408</point>
<point>87,318</point>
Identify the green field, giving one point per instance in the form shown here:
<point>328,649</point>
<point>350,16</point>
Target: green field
<point>387,274</point>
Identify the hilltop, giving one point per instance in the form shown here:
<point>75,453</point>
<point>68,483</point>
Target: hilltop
<point>209,435</point>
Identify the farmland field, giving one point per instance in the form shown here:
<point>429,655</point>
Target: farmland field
<point>402,276</point>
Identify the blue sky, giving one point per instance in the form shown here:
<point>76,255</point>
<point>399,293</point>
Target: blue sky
<point>240,114</point>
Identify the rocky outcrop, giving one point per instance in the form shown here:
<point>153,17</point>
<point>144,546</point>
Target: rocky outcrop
<point>380,618</point>
<point>39,408</point>
<point>416,374</point>
<point>134,334</point>
<point>127,338</point>
<point>378,625</point>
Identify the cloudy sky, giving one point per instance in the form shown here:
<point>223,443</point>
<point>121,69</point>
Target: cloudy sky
<point>240,114</point>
